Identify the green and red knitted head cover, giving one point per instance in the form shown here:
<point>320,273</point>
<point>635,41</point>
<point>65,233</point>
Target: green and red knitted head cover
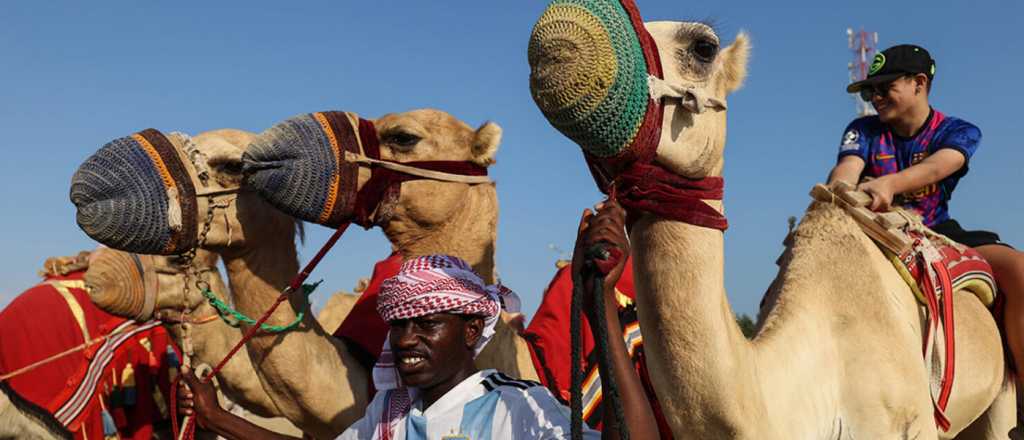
<point>589,66</point>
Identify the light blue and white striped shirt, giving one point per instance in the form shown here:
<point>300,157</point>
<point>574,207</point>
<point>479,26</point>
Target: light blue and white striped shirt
<point>487,405</point>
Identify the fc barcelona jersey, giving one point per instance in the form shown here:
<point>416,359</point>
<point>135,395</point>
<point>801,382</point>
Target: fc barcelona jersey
<point>885,152</point>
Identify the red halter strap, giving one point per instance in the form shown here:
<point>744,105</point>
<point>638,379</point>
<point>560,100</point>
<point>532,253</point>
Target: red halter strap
<point>650,188</point>
<point>382,180</point>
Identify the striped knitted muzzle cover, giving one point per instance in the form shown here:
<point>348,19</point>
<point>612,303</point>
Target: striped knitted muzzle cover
<point>308,167</point>
<point>596,74</point>
<point>137,194</point>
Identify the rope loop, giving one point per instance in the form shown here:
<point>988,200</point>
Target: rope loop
<point>234,318</point>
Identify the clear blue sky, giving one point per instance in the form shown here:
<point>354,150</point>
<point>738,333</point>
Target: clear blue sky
<point>74,75</point>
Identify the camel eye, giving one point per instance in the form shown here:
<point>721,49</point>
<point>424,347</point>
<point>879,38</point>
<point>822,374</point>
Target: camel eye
<point>704,50</point>
<point>401,140</point>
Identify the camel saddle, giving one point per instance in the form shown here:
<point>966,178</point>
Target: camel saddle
<point>933,266</point>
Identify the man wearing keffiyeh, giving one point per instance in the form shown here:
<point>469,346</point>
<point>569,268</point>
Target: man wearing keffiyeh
<point>441,315</point>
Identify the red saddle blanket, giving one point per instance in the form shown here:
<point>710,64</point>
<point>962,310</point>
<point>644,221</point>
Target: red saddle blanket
<point>934,268</point>
<point>123,379</point>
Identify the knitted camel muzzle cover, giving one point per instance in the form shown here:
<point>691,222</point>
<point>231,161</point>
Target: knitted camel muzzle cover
<point>299,165</point>
<point>589,66</point>
<point>136,194</point>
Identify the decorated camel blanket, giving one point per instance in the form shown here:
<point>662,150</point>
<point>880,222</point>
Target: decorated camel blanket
<point>547,336</point>
<point>117,387</point>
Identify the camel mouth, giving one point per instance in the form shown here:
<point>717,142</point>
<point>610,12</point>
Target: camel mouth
<point>299,165</point>
<point>136,194</point>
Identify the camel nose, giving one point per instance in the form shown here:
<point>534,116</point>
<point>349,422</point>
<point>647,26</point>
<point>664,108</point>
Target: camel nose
<point>134,195</point>
<point>115,284</point>
<point>299,166</point>
<point>588,74</point>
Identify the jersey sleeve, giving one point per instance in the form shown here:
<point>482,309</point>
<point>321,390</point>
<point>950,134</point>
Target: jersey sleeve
<point>536,414</point>
<point>964,137</point>
<point>855,141</point>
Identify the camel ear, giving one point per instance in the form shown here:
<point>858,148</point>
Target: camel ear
<point>734,63</point>
<point>485,143</point>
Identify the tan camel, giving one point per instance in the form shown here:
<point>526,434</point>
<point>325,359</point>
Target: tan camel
<point>838,352</point>
<point>114,285</point>
<point>23,420</point>
<point>330,391</point>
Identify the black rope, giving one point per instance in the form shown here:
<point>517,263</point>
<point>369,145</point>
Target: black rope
<point>576,388</point>
<point>611,392</point>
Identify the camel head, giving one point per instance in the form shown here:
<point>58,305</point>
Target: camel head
<point>628,91</point>
<point>141,287</point>
<point>152,193</point>
<point>692,142</point>
<point>404,172</point>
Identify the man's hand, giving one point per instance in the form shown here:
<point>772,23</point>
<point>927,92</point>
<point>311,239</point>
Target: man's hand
<point>197,398</point>
<point>881,191</point>
<point>607,227</point>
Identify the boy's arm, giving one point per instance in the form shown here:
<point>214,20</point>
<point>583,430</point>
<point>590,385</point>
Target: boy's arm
<point>847,170</point>
<point>933,169</point>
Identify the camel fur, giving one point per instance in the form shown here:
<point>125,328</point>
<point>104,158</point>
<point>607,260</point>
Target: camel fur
<point>24,420</point>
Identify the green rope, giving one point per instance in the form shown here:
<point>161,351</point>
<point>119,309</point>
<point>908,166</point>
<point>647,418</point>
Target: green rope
<point>227,312</point>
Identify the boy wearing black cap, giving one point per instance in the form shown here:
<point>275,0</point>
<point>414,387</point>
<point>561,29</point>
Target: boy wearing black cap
<point>917,155</point>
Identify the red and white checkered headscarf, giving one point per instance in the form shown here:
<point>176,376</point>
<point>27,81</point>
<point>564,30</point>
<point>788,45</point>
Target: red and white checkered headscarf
<point>437,284</point>
<point>424,286</point>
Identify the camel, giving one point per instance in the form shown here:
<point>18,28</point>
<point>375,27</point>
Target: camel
<point>417,225</point>
<point>116,287</point>
<point>21,419</point>
<point>837,354</point>
<point>331,390</point>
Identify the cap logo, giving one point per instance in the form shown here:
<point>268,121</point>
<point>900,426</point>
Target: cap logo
<point>933,69</point>
<point>877,63</point>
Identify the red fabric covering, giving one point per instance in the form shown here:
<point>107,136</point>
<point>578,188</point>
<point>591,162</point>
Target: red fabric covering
<point>936,278</point>
<point>39,324</point>
<point>548,334</point>
<point>651,188</point>
<point>363,325</point>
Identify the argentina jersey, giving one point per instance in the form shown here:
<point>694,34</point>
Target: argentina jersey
<point>486,405</point>
<point>885,152</point>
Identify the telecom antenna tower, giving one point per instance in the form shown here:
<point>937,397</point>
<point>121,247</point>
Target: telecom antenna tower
<point>863,45</point>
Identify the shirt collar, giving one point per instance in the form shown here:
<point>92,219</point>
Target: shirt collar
<point>470,388</point>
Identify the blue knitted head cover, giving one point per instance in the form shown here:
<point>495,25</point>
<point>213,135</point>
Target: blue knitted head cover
<point>299,165</point>
<point>135,194</point>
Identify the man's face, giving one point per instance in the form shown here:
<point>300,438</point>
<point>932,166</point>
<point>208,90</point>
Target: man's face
<point>432,349</point>
<point>894,99</point>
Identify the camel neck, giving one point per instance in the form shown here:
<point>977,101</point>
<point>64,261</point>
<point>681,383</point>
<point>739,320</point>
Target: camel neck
<point>257,274</point>
<point>469,232</point>
<point>690,330</point>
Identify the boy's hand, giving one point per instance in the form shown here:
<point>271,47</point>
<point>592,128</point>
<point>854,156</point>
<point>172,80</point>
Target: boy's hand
<point>881,191</point>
